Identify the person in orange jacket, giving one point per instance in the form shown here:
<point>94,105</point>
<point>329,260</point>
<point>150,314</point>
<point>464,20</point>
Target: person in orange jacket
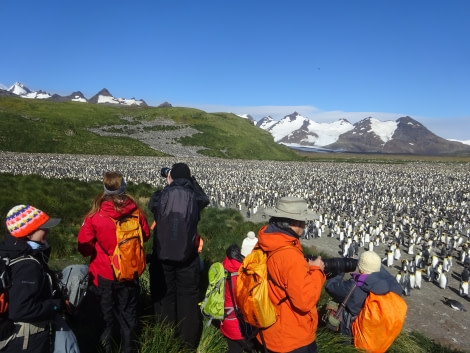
<point>295,283</point>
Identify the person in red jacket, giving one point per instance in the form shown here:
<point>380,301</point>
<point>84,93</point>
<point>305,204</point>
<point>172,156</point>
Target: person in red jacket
<point>230,325</point>
<point>97,238</point>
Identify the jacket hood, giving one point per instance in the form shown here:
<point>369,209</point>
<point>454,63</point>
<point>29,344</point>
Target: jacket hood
<point>271,238</point>
<point>13,247</point>
<point>382,282</point>
<point>231,265</point>
<point>107,207</point>
<point>183,182</point>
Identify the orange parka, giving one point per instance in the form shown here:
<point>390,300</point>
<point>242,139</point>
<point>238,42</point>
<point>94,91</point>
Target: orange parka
<point>297,317</point>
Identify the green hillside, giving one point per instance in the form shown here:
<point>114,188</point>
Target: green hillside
<point>39,126</point>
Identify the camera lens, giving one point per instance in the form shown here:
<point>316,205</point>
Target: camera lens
<point>164,172</point>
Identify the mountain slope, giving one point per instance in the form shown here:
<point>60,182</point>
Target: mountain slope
<point>370,135</point>
<point>403,136</point>
<point>295,130</point>
<point>45,126</point>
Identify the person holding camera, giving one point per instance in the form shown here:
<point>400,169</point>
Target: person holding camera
<point>371,276</point>
<point>294,283</point>
<point>174,263</point>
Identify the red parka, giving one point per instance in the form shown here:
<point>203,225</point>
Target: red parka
<point>229,326</point>
<point>98,232</point>
<point>297,317</point>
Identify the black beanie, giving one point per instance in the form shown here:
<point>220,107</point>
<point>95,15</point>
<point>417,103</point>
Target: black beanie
<point>180,170</point>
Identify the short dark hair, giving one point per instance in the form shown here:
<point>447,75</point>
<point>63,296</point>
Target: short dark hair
<point>284,224</point>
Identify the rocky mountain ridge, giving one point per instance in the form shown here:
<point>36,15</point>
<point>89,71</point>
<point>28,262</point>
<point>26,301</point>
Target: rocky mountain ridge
<point>102,97</point>
<point>403,136</point>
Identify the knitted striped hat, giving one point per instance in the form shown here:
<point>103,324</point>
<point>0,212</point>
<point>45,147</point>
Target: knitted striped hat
<point>23,220</point>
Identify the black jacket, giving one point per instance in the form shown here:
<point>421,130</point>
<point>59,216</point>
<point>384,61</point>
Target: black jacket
<point>31,292</point>
<point>201,197</point>
<point>176,211</point>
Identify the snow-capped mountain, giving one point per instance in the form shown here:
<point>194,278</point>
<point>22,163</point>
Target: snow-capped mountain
<point>102,97</point>
<point>295,130</point>
<point>370,135</point>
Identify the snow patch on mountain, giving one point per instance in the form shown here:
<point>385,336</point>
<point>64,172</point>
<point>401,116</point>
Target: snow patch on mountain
<point>112,100</point>
<point>329,133</point>
<point>383,129</point>
<point>286,126</point>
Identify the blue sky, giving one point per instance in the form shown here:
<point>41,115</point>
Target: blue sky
<point>326,59</point>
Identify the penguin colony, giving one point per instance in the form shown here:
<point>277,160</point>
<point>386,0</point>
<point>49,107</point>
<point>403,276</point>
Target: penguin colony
<point>415,215</point>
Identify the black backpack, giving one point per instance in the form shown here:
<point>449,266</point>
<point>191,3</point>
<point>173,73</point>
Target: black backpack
<point>6,325</point>
<point>176,224</point>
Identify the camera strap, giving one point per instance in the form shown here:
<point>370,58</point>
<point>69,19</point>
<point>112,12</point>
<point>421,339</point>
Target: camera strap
<point>343,304</point>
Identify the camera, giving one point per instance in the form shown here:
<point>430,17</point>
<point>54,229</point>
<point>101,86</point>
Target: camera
<point>336,265</point>
<point>164,172</point>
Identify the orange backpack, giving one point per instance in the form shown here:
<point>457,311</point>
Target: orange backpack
<point>128,258</point>
<point>379,322</point>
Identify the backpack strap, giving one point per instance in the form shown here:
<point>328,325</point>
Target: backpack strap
<point>23,258</point>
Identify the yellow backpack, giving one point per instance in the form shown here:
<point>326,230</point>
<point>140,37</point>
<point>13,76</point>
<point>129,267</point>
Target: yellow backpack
<point>252,290</point>
<point>379,322</point>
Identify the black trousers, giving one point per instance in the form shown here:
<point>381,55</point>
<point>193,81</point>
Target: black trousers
<point>175,295</point>
<point>118,300</point>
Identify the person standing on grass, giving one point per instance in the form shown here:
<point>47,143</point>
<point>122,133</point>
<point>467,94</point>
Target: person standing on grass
<point>230,326</point>
<point>294,283</point>
<point>174,267</point>
<point>97,238</point>
<point>34,298</point>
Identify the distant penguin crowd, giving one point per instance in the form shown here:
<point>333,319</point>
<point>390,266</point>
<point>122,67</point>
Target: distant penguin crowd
<point>415,214</point>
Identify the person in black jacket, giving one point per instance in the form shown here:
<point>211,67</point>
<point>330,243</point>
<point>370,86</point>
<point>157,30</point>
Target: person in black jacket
<point>34,300</point>
<point>174,265</point>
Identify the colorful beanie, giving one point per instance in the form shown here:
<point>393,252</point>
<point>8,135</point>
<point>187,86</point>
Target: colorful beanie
<point>23,220</point>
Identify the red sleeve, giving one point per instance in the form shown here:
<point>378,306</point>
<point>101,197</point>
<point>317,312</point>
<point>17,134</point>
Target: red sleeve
<point>145,227</point>
<point>86,238</point>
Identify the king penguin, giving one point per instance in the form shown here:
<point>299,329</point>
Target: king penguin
<point>418,279</point>
<point>454,304</point>
<point>463,289</point>
<point>406,283</point>
<point>442,280</point>
<point>412,279</point>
